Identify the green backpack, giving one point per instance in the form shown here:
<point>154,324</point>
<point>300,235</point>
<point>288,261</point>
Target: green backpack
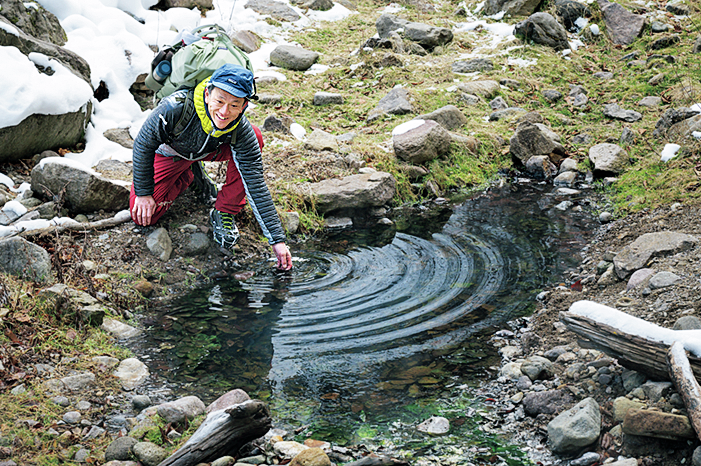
<point>190,64</point>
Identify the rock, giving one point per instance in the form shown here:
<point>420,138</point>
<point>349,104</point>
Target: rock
<point>576,428</point>
<point>654,391</point>
<point>542,28</point>
<point>24,259</point>
<point>537,367</point>
<point>650,101</point>
<point>424,143</point>
<point>352,192</point>
<point>288,449</point>
<point>617,113</point>
<point>120,449</point>
<point>149,454</point>
<point>78,382</point>
<point>512,371</point>
<point>181,409</point>
<point>569,11</point>
<point>248,41</point>
<point>637,254</point>
<point>196,244</point>
<point>311,457</point>
<point>230,398</point>
<point>144,287</point>
<point>683,130</point>
<point>320,140</point>
<point>160,244</point>
<point>663,280</point>
<point>279,125</point>
<point>449,117</point>
<point>140,402</point>
<point>72,417</point>
<point>500,104</point>
<point>118,329</point>
<point>638,277</point>
<point>224,461</point>
<point>396,102</point>
<point>85,190</point>
<point>632,380</point>
<point>486,88</point>
<point>131,373</point>
<point>622,26</point>
<point>608,158</point>
<point>471,66</point>
<point>435,425</point>
<point>89,309</point>
<point>551,95</point>
<point>546,402</point>
<point>670,118</point>
<point>566,179</point>
<point>511,7</point>
<point>277,10</point>
<point>664,42</point>
<point>657,424</point>
<point>293,58</point>
<point>531,140</point>
<point>119,136</point>
<point>291,221</point>
<point>621,405</point>
<point>327,98</point>
<point>506,113</point>
<point>427,36</point>
<point>687,323</point>
<point>587,459</point>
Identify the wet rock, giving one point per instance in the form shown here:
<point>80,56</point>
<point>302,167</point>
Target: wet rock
<point>657,424</point>
<point>637,254</point>
<point>575,428</point>
<point>435,425</point>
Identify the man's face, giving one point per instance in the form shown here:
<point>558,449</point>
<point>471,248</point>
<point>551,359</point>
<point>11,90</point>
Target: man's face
<point>223,107</point>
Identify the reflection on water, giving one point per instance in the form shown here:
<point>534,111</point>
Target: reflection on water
<point>367,327</point>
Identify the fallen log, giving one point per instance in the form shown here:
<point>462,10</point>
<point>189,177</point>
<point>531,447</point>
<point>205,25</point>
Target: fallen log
<point>688,387</point>
<point>222,433</point>
<point>637,344</point>
<point>120,217</point>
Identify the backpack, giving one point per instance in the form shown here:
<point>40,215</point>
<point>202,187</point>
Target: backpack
<point>193,59</point>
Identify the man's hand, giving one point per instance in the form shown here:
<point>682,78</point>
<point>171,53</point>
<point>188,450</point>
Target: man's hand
<point>144,206</point>
<point>284,257</point>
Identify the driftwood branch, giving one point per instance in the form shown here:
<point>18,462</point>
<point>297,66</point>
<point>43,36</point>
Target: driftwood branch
<point>222,433</point>
<point>119,218</point>
<point>688,387</point>
<point>632,351</point>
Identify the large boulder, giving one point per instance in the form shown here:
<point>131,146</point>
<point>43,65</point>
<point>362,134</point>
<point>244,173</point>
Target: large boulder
<point>576,428</point>
<point>532,140</point>
<point>637,254</point>
<point>425,142</point>
<point>427,36</point>
<point>449,117</point>
<point>84,190</point>
<point>293,58</point>
<point>608,158</point>
<point>27,260</point>
<point>542,28</point>
<point>622,26</point>
<point>352,192</point>
<point>34,20</point>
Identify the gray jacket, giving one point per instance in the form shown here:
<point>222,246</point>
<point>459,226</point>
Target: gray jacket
<point>194,144</point>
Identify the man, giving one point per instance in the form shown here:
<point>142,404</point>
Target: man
<point>206,123</point>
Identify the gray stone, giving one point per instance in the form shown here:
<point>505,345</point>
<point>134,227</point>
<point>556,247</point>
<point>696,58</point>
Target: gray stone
<point>499,104</point>
<point>687,323</point>
<point>225,461</point>
<point>119,136</point>
<point>546,402</point>
<point>568,165</point>
<point>551,95</point>
<point>663,280</point>
<point>427,36</point>
<point>664,42</point>
<point>622,405</point>
<point>537,367</point>
<point>435,425</point>
<point>352,192</point>
<point>396,102</point>
<point>449,117</point>
<point>677,8</point>
<point>511,7</point>
<point>510,112</point>
<point>636,255</point>
<point>566,179</point>
<point>61,401</point>
<point>608,158</point>
<point>531,117</point>
<point>140,402</point>
<point>683,130</point>
<point>320,140</point>
<point>622,26</point>
<point>293,58</point>
<point>656,390</point>
<point>81,455</point>
<point>78,382</point>
<point>115,170</point>
<point>697,49</point>
<point>85,190</point>
<point>160,244</point>
<point>277,10</point>
<point>327,98</point>
<point>627,136</point>
<point>132,373</point>
<point>471,66</point>
<point>196,244</point>
<point>248,41</point>
<point>424,143</point>
<point>233,397</point>
<point>696,458</point>
<point>72,417</point>
<point>24,259</point>
<point>149,454</point>
<point>487,88</point>
<point>531,140</point>
<point>276,124</point>
<point>632,380</point>
<point>119,329</point>
<point>291,222</point>
<point>540,167</point>
<point>181,409</point>
<point>672,117</point>
<point>638,277</point>
<point>468,99</point>
<point>542,28</point>
<point>586,459</point>
<point>658,27</point>
<point>338,223</point>
<point>617,113</point>
<point>269,99</point>
<point>604,75</point>
<point>576,428</point>
<point>569,11</point>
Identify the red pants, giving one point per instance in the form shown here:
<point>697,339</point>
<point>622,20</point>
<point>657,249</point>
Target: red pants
<point>172,176</point>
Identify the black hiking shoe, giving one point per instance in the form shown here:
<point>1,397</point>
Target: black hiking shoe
<point>203,185</point>
<point>224,229</point>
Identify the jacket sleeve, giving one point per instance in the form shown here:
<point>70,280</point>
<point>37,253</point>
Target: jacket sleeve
<point>247,157</point>
<point>152,134</point>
